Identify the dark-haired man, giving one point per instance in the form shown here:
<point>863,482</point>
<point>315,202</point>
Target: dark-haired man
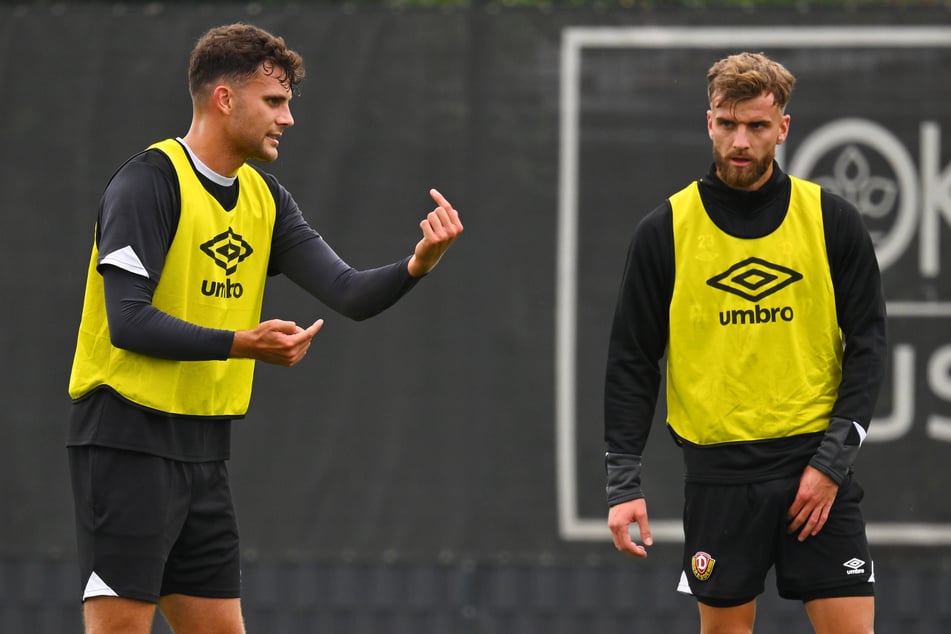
<point>186,236</point>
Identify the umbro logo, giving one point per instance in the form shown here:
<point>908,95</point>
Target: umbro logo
<point>754,278</point>
<point>855,566</point>
<point>227,249</point>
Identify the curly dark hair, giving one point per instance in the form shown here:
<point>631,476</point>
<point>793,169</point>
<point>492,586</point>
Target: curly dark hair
<point>235,52</point>
<point>747,76</point>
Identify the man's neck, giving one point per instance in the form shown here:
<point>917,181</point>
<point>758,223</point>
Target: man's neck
<point>205,147</point>
<point>204,170</point>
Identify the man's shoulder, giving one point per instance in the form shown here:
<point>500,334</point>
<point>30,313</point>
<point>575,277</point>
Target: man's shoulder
<point>841,214</point>
<point>657,221</point>
<point>149,164</point>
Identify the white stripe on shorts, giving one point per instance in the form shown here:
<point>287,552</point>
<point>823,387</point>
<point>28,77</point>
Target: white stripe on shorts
<point>96,587</point>
<point>683,587</point>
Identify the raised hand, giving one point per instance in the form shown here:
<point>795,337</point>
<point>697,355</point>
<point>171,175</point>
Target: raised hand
<point>440,229</point>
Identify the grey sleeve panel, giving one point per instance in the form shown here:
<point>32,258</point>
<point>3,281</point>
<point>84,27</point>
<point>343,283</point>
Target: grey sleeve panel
<point>838,449</point>
<point>623,477</point>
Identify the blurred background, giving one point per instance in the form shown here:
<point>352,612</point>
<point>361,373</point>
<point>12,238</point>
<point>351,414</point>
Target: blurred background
<point>438,469</point>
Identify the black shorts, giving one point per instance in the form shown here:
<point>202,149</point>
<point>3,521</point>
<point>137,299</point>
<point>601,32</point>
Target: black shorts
<point>148,526</point>
<point>733,535</point>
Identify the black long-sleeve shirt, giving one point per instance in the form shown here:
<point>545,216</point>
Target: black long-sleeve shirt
<point>640,332</point>
<point>140,209</point>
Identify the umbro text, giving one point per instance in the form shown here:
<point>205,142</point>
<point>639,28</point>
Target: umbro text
<point>226,289</point>
<point>756,315</point>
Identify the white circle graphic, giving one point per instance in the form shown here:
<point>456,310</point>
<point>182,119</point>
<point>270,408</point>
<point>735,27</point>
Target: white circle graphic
<point>845,133</point>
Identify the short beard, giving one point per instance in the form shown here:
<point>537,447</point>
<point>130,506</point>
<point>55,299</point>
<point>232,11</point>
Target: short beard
<point>741,177</point>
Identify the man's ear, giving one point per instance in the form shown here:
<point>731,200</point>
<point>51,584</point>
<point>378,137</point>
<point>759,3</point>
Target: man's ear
<point>223,98</point>
<point>783,130</point>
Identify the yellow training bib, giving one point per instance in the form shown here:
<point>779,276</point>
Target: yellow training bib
<point>214,276</point>
<point>755,350</point>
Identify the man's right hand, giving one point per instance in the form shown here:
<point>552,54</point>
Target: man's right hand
<point>620,518</point>
<point>274,341</point>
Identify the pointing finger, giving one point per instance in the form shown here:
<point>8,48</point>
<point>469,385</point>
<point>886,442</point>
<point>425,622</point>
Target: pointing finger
<point>440,199</point>
<point>316,326</point>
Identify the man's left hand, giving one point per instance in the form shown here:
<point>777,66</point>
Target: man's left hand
<point>440,229</point>
<point>810,509</point>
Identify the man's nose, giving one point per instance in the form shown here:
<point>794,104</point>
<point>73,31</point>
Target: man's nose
<point>740,139</point>
<point>286,119</point>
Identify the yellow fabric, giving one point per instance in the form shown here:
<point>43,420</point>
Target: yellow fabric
<point>755,351</point>
<point>214,277</point>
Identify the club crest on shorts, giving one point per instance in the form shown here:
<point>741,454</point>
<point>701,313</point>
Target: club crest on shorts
<point>702,565</point>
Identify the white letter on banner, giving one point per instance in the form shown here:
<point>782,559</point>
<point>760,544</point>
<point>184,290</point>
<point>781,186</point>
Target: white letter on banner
<point>939,380</point>
<point>897,424</point>
<point>935,199</point>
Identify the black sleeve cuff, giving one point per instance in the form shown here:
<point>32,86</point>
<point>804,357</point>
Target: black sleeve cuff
<point>623,477</point>
<point>838,449</point>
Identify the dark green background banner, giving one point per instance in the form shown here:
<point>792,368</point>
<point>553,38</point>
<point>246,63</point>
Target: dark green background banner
<point>437,431</point>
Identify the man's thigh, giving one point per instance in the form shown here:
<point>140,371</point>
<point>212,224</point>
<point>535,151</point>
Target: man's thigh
<point>148,526</point>
<point>842,615</point>
<point>206,560</point>
<point>735,620</point>
<point>201,615</point>
<point>129,510</point>
<point>109,615</point>
<point>834,563</point>
<point>730,533</point>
